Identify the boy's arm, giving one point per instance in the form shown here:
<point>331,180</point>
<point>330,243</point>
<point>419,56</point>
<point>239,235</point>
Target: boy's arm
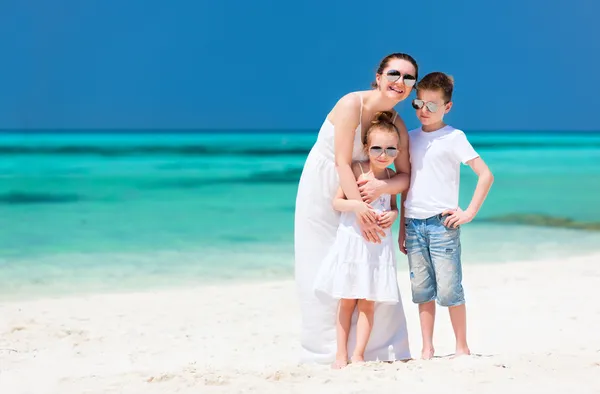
<point>484,183</point>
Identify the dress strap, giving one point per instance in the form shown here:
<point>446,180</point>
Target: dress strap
<point>361,109</point>
<point>387,171</point>
<point>362,132</point>
<point>394,119</point>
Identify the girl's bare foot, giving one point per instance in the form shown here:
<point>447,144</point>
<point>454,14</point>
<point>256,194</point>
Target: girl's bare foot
<point>339,364</point>
<point>357,359</point>
<point>427,353</point>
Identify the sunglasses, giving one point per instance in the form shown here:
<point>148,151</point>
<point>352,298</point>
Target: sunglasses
<point>431,106</point>
<point>377,151</point>
<point>395,75</point>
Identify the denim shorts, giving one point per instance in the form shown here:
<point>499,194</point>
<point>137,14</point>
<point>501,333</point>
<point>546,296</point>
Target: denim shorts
<point>433,252</point>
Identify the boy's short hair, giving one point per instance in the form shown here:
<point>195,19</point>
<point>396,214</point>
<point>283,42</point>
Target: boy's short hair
<point>438,81</point>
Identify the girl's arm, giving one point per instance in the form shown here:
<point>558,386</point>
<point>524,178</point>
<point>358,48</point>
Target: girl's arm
<point>342,204</point>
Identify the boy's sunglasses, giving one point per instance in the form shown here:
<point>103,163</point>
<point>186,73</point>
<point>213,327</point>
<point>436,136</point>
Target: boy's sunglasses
<point>395,75</point>
<point>431,106</point>
<point>377,151</point>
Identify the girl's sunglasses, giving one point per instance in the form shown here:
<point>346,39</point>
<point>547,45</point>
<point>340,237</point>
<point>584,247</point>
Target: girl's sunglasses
<point>395,75</point>
<point>377,151</point>
<point>431,106</point>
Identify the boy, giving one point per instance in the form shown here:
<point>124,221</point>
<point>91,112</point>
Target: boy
<point>431,232</point>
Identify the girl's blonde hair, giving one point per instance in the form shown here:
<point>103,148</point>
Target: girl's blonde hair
<point>381,121</point>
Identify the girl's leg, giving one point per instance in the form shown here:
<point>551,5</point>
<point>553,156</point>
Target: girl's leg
<point>344,318</point>
<point>366,310</point>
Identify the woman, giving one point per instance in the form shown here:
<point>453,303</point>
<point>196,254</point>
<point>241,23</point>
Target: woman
<point>327,167</point>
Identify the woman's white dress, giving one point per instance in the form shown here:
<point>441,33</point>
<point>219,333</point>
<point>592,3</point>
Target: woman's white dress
<point>316,224</point>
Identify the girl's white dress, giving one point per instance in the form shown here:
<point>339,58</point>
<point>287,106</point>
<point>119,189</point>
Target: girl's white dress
<point>355,268</point>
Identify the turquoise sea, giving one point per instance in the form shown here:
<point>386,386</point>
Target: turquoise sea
<point>120,211</point>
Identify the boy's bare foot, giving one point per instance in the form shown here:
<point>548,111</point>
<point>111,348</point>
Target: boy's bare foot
<point>339,364</point>
<point>427,353</point>
<point>462,351</point>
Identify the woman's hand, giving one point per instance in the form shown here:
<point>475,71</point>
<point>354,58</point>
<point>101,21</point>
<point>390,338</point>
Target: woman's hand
<point>369,188</point>
<point>372,232</point>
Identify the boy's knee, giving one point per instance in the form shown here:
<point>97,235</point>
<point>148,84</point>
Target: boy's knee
<point>451,295</point>
<point>423,287</point>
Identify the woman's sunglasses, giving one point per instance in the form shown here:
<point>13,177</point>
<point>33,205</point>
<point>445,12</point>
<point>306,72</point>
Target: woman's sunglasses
<point>377,151</point>
<point>431,106</point>
<point>395,75</point>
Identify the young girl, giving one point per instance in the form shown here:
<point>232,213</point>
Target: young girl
<point>356,271</point>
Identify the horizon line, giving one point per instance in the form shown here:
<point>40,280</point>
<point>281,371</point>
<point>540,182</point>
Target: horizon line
<point>249,129</point>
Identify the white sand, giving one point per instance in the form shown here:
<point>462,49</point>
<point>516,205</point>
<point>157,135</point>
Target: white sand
<point>535,328</point>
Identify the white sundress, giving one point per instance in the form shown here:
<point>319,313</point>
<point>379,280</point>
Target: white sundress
<point>315,228</point>
<point>355,268</point>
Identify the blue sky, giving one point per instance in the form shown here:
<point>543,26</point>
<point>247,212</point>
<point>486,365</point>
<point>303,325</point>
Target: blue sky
<point>527,65</point>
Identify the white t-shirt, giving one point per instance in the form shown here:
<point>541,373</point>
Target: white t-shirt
<point>435,159</point>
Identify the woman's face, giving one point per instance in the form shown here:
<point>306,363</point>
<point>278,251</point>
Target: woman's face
<point>397,79</point>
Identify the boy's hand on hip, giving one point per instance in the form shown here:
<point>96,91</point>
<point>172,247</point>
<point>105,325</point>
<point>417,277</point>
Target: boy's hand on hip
<point>456,217</point>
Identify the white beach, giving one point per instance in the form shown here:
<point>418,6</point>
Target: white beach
<point>532,326</point>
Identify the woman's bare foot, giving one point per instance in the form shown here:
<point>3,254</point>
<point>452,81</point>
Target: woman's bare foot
<point>427,353</point>
<point>462,351</point>
<point>339,364</point>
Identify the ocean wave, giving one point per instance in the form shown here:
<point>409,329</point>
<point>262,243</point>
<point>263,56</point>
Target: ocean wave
<point>185,150</point>
<point>544,221</point>
<point>274,150</point>
<point>286,176</point>
<point>19,198</point>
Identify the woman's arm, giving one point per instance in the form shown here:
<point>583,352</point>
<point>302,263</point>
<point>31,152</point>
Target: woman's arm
<point>345,117</point>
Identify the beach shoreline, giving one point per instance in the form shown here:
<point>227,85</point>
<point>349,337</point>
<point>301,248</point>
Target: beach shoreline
<point>531,324</point>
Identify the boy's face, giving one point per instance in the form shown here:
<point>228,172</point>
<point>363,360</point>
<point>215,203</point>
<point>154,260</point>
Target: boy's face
<point>432,107</point>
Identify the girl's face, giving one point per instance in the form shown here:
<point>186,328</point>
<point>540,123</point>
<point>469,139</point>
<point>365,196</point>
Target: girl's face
<point>382,148</point>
